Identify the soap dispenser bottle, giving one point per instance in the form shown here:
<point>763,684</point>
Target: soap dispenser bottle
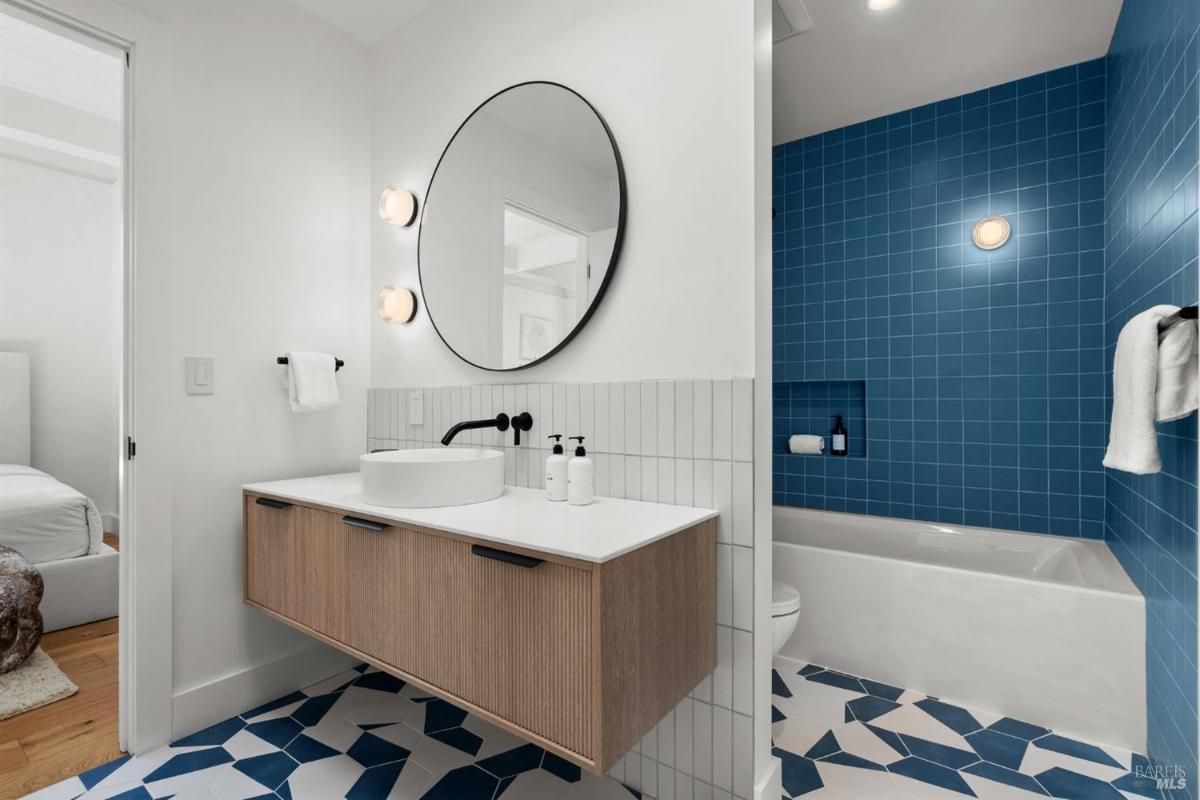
<point>581,477</point>
<point>556,471</point>
<point>838,436</point>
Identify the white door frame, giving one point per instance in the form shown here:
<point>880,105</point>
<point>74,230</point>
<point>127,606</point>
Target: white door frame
<point>145,646</point>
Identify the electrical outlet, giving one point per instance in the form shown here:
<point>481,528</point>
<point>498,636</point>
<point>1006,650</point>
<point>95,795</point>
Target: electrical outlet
<point>416,408</point>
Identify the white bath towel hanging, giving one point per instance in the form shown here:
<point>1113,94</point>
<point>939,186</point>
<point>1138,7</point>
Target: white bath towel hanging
<point>1133,439</point>
<point>1177,394</point>
<point>311,382</point>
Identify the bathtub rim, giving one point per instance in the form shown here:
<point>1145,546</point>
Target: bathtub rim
<point>1112,565</point>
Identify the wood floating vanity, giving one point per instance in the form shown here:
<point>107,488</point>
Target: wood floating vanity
<point>577,628</point>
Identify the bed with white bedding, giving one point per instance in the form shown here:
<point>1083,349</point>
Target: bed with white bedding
<point>53,526</point>
<point>44,519</point>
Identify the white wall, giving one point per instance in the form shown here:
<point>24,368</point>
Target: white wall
<point>674,80</point>
<point>269,238</point>
<point>59,302</point>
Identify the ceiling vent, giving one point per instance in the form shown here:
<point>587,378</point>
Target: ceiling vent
<point>789,18</point>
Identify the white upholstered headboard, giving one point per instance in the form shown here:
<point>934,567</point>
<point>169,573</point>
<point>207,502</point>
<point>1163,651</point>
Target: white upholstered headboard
<point>14,408</point>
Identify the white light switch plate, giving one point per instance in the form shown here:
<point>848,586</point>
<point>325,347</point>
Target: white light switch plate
<point>199,372</point>
<point>416,408</point>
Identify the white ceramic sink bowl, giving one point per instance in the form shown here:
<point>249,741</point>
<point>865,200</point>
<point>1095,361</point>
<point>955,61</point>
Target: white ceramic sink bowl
<point>447,476</point>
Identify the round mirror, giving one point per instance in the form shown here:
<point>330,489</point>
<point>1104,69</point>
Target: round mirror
<point>521,226</point>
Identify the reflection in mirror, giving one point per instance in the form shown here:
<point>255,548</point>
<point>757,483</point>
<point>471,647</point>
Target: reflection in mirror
<point>521,226</point>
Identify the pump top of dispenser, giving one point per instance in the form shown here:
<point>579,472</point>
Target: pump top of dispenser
<point>579,451</point>
<point>558,447</point>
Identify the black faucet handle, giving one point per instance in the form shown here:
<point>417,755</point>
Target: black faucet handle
<point>521,422</point>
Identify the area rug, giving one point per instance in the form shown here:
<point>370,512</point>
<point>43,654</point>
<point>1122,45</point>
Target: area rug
<point>35,683</point>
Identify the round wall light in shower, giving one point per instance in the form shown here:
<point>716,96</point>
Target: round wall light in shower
<point>990,233</point>
<point>397,305</point>
<point>397,206</point>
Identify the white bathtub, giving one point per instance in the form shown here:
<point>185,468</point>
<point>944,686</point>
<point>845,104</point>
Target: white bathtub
<point>1039,628</point>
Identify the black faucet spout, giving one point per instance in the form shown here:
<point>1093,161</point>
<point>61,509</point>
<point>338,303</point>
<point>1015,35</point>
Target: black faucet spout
<point>500,423</point>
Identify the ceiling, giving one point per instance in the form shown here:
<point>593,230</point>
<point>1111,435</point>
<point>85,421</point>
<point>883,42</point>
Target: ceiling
<point>369,21</point>
<point>855,65</point>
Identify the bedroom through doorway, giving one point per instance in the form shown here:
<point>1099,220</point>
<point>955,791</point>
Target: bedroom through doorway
<point>62,289</point>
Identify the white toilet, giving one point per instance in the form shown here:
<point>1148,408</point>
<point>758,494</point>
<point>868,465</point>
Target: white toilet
<point>785,613</point>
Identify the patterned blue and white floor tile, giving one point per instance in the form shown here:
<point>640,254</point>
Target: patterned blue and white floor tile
<point>361,735</point>
<point>846,738</point>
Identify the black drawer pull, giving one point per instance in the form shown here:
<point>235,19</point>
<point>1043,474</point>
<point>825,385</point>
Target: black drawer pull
<point>503,555</point>
<point>365,524</point>
<point>269,503</point>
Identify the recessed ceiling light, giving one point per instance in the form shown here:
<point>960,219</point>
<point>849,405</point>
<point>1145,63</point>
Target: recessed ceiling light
<point>880,5</point>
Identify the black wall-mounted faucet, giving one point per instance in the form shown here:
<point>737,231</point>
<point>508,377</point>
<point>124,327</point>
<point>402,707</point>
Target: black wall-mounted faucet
<point>500,423</point>
<point>521,422</point>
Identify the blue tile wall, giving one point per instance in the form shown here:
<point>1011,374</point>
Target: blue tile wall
<point>1151,257</point>
<point>984,371</point>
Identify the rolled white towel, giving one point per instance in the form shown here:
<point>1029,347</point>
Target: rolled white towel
<point>806,444</point>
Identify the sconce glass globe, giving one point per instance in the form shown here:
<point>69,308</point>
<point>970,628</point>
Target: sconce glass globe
<point>397,206</point>
<point>397,305</point>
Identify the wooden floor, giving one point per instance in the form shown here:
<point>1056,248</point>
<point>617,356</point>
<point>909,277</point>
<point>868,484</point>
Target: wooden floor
<point>56,741</point>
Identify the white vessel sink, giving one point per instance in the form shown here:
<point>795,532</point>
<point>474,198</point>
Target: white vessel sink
<point>431,477</point>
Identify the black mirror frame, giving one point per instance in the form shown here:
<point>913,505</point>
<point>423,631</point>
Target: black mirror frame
<point>617,240</point>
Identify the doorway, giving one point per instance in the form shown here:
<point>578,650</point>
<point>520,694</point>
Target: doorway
<point>62,377</point>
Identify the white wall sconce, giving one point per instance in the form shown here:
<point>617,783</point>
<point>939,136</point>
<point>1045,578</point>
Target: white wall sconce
<point>397,206</point>
<point>990,233</point>
<point>880,5</point>
<point>397,305</point>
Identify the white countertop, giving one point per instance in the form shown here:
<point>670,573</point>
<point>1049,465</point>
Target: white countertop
<point>608,528</point>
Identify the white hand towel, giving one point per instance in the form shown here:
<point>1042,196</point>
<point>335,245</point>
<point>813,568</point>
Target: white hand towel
<point>1132,439</point>
<point>806,444</point>
<point>1177,372</point>
<point>311,383</point>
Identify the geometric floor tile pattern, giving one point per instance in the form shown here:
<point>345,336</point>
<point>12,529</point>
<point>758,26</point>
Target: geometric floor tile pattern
<point>360,735</point>
<point>841,737</point>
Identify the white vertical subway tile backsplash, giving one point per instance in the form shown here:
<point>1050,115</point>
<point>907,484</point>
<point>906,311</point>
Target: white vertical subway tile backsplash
<point>688,442</point>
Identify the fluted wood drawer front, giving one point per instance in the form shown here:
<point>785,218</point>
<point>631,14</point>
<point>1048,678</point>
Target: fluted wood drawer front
<point>380,593</point>
<point>271,558</point>
<point>514,640</point>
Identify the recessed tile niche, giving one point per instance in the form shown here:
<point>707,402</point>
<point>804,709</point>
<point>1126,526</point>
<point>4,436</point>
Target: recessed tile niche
<point>809,407</point>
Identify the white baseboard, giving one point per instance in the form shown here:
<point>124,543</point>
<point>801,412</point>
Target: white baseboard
<point>770,783</point>
<point>199,706</point>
